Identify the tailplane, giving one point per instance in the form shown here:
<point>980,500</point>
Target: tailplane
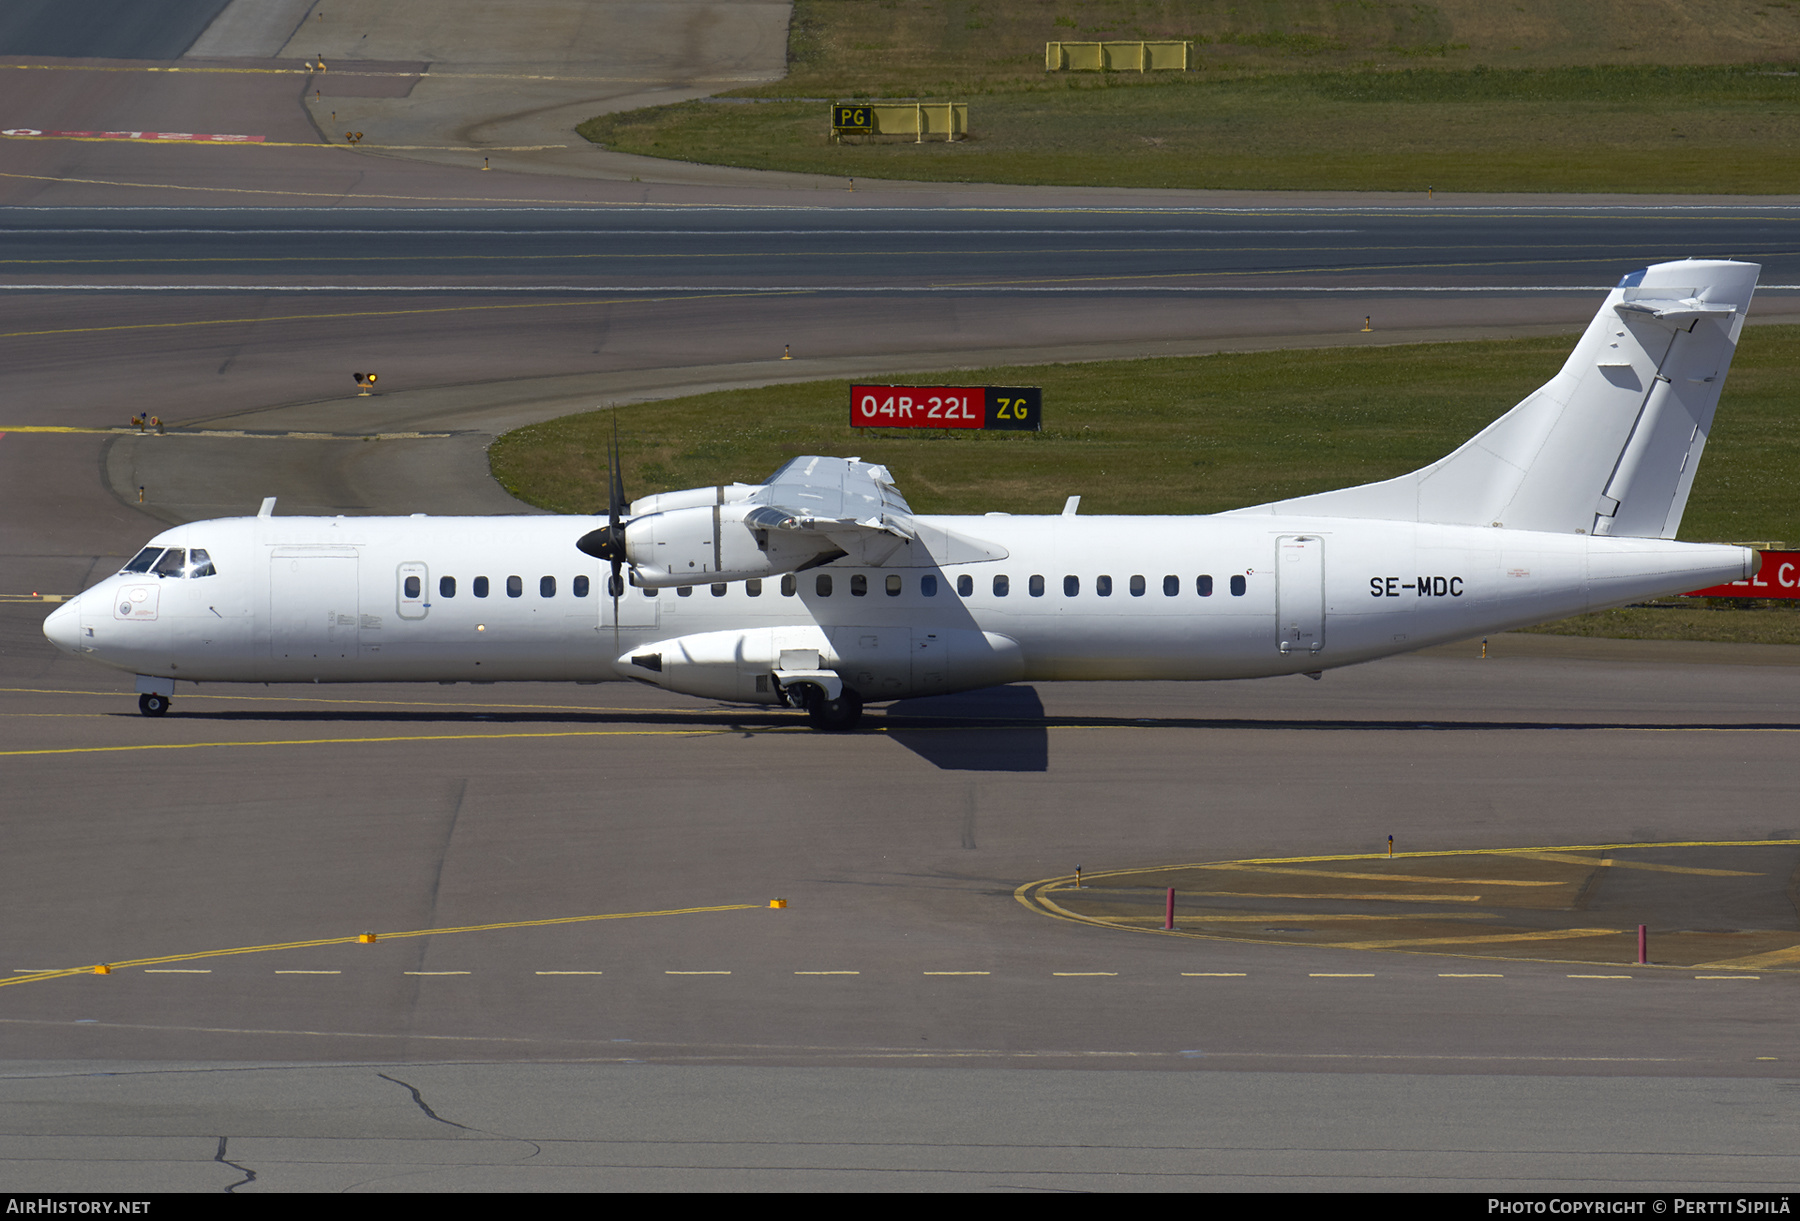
<point>1608,446</point>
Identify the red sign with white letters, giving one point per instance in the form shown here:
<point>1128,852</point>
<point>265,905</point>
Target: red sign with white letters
<point>1779,577</point>
<point>993,407</point>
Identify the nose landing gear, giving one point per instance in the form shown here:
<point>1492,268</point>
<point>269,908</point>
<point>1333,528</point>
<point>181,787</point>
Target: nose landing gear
<point>151,704</point>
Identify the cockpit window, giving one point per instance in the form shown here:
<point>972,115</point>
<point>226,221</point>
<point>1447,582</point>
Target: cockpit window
<point>173,561</point>
<point>142,560</point>
<point>200,564</point>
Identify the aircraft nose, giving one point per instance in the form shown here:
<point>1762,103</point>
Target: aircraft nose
<point>63,627</point>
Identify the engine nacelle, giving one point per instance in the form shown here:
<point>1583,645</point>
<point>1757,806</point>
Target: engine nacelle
<point>694,546</point>
<point>694,498</point>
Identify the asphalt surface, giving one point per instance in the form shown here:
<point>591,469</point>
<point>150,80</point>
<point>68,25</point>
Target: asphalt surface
<point>226,860</point>
<point>987,251</point>
<point>104,28</point>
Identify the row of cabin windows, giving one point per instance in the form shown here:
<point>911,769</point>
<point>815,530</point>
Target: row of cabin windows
<point>859,586</point>
<point>515,587</point>
<point>965,586</point>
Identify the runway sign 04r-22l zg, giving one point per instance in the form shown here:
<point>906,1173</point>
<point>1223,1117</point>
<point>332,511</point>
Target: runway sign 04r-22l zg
<point>993,407</point>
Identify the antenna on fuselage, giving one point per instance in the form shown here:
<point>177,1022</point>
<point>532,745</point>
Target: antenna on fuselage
<point>268,507</point>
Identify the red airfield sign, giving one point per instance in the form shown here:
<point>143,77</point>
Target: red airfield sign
<point>1779,577</point>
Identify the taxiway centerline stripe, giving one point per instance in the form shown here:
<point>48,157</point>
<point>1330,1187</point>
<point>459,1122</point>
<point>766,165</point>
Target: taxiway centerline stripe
<point>1214,974</point>
<point>62,973</point>
<point>957,972</point>
<point>307,699</point>
<point>1753,977</point>
<point>389,313</point>
<point>443,737</point>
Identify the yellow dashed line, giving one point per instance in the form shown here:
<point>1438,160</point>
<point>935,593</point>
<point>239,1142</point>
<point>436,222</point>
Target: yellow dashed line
<point>63,973</point>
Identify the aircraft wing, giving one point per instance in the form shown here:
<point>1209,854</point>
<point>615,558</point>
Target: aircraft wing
<point>852,502</point>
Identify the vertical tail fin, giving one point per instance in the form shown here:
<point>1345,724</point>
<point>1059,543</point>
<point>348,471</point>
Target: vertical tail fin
<point>1610,444</point>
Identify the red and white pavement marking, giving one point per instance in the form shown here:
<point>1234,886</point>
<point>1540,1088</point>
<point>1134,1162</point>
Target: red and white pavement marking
<point>198,137</point>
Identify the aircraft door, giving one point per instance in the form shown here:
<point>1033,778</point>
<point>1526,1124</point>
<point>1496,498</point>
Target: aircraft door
<point>413,592</point>
<point>313,606</point>
<point>1300,593</point>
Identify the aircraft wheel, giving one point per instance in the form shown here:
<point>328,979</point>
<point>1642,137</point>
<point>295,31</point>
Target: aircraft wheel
<point>835,716</point>
<point>153,705</point>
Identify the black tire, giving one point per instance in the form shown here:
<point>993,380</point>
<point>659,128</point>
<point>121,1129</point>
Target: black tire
<point>153,705</point>
<point>835,716</point>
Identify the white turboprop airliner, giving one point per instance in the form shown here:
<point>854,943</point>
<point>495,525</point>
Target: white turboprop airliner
<point>821,589</point>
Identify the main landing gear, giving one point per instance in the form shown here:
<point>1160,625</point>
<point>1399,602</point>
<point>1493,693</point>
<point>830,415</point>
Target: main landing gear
<point>153,705</point>
<point>830,715</point>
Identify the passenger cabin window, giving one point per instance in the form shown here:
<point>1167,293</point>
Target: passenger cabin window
<point>1103,586</point>
<point>965,586</point>
<point>579,587</point>
<point>1237,587</point>
<point>753,587</point>
<point>928,586</point>
<point>789,586</point>
<point>893,585</point>
<point>1000,586</point>
<point>1203,586</point>
<point>481,587</point>
<point>718,589</point>
<point>142,560</point>
<point>1071,586</point>
<point>412,587</point>
<point>684,591</point>
<point>1036,586</point>
<point>546,587</point>
<point>446,587</point>
<point>859,586</point>
<point>173,561</point>
<point>1171,586</point>
<point>1137,587</point>
<point>823,585</point>
<point>515,587</point>
<point>615,588</point>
